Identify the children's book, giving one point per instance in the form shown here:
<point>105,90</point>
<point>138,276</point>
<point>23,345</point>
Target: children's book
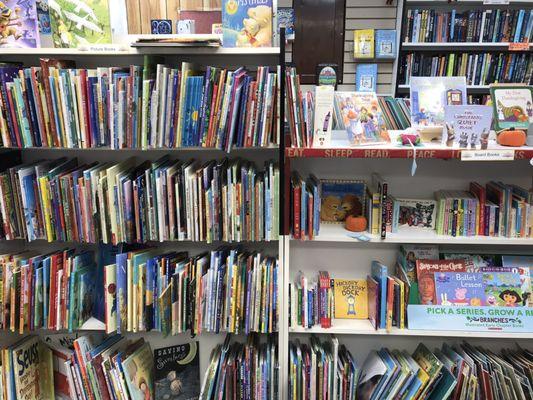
<point>379,273</point>
<point>138,373</point>
<point>363,44</point>
<point>361,115</point>
<point>459,289</point>
<point>286,20</point>
<point>467,126</point>
<point>351,298</point>
<point>177,372</point>
<point>425,272</point>
<point>19,24</point>
<point>80,22</point>
<point>373,372</point>
<point>409,253</point>
<point>429,96</point>
<point>247,24</point>
<point>366,77</point>
<point>512,105</point>
<point>385,43</point>
<point>502,289</point>
<point>373,301</point>
<point>521,265</point>
<point>430,364</point>
<point>414,213</point>
<point>323,115</point>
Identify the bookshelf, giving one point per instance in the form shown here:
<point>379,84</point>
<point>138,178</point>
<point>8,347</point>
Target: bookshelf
<point>125,56</point>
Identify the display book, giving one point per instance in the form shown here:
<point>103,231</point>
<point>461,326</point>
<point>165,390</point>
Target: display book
<point>128,201</point>
<point>370,43</point>
<point>149,106</point>
<point>472,26</point>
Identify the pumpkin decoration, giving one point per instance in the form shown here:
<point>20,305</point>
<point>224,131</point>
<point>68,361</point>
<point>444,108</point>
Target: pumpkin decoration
<point>511,137</point>
<point>356,223</point>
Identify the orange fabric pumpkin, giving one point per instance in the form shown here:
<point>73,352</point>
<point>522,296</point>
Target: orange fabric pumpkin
<point>511,137</point>
<point>356,224</point>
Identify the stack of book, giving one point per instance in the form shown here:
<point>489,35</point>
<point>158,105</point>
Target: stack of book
<point>225,290</point>
<point>242,371</point>
<point>300,107</point>
<point>136,203</point>
<point>396,112</point>
<point>150,106</point>
<point>305,206</point>
<point>472,26</point>
<point>478,68</point>
<point>322,370</point>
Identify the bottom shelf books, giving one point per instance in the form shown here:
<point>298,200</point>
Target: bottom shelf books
<point>326,369</point>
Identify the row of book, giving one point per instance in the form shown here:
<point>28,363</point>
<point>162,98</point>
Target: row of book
<point>170,292</point>
<point>226,200</point>
<point>305,206</point>
<point>396,112</point>
<point>322,370</point>
<point>150,106</point>
<point>471,26</point>
<point>478,68</point>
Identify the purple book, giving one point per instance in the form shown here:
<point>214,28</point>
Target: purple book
<point>459,289</point>
<point>20,21</point>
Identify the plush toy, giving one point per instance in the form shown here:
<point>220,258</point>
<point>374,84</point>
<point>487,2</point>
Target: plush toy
<point>406,139</point>
<point>257,29</point>
<point>511,137</point>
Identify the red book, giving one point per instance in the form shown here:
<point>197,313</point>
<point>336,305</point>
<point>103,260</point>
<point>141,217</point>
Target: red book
<point>479,192</point>
<point>14,118</point>
<point>324,290</point>
<point>85,109</point>
<point>425,273</point>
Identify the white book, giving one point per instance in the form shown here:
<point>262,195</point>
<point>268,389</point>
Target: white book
<point>323,118</point>
<point>113,201</point>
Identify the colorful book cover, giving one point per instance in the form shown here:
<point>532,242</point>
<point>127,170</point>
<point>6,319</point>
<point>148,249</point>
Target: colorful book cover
<point>385,43</point>
<point>351,298</point>
<point>409,253</point>
<point>18,21</point>
<point>366,77</point>
<point>521,265</point>
<point>363,43</point>
<point>502,289</point>
<point>361,115</point>
<point>513,106</point>
<point>177,372</point>
<point>286,20</point>
<point>323,115</point>
<point>467,125</point>
<point>111,297</point>
<point>429,96</point>
<point>425,272</point>
<point>379,272</point>
<point>79,22</point>
<point>415,213</point>
<point>247,24</point>
<point>138,373</point>
<point>459,289</point>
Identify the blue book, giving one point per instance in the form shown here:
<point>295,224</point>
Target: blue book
<point>444,387</point>
<point>236,25</point>
<point>366,77</point>
<point>519,23</point>
<point>385,46</point>
<point>122,291</point>
<point>380,273</point>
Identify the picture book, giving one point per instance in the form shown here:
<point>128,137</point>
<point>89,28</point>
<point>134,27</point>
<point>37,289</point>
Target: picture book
<point>247,24</point>
<point>430,364</point>
<point>323,115</point>
<point>409,253</point>
<point>80,22</point>
<point>351,298</point>
<point>385,43</point>
<point>363,44</point>
<point>425,272</point>
<point>366,76</point>
<point>467,126</point>
<point>379,273</point>
<point>459,289</point>
<point>360,114</point>
<point>339,199</point>
<point>373,373</point>
<point>373,301</point>
<point>429,96</point>
<point>521,265</point>
<point>18,21</point>
<point>502,289</point>
<point>177,372</point>
<point>512,105</point>
<point>474,262</point>
<point>414,213</point>
<point>286,20</point>
<point>138,373</point>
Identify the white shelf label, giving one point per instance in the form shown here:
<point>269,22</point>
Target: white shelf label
<point>103,47</point>
<point>487,155</point>
<point>495,2</point>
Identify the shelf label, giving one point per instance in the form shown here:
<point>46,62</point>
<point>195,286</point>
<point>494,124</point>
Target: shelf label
<point>487,155</point>
<point>523,46</point>
<point>103,47</point>
<point>492,2</point>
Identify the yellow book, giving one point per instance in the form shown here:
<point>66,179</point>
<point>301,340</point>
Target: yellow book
<point>47,207</point>
<point>351,300</point>
<point>363,43</point>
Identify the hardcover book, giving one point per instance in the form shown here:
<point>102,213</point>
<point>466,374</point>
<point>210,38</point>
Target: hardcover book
<point>429,96</point>
<point>410,253</point>
<point>247,24</point>
<point>80,22</point>
<point>385,43</point>
<point>138,373</point>
<point>513,106</point>
<point>363,43</point>
<point>467,126</point>
<point>366,76</point>
<point>286,20</point>
<point>460,289</point>
<point>414,213</point>
<point>351,298</point>
<point>18,21</point>
<point>373,301</point>
<point>425,272</point>
<point>502,289</point>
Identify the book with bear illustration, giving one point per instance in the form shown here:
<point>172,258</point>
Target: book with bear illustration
<point>248,25</point>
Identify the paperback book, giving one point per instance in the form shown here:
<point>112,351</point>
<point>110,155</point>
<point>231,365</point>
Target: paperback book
<point>247,24</point>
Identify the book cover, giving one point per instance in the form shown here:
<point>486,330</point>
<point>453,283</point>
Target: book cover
<point>80,22</point>
<point>521,265</point>
<point>247,24</point>
<point>351,298</point>
<point>467,125</point>
<point>379,272</point>
<point>361,115</point>
<point>502,289</point>
<point>373,372</point>
<point>409,253</point>
<point>366,77</point>
<point>373,301</point>
<point>323,115</point>
<point>429,96</point>
<point>430,364</point>
<point>177,372</point>
<point>415,213</point>
<point>459,289</point>
<point>286,20</point>
<point>138,373</point>
<point>385,43</point>
<point>18,20</point>
<point>111,298</point>
<point>425,272</point>
<point>340,199</point>
<point>363,43</point>
<point>513,106</point>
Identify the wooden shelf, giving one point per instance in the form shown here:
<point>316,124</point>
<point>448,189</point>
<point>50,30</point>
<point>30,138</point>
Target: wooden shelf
<point>364,327</point>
